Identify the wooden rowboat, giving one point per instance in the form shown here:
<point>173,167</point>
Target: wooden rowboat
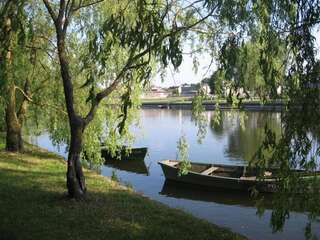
<point>123,154</point>
<point>215,176</point>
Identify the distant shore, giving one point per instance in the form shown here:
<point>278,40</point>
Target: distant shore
<point>186,103</point>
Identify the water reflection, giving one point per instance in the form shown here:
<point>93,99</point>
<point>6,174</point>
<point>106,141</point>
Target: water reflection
<point>245,131</point>
<point>134,166</point>
<point>233,141</point>
<point>219,196</point>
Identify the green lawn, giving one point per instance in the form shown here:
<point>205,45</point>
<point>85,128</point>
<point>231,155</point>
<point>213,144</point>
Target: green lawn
<point>34,205</point>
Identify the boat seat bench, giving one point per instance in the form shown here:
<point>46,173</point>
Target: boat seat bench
<point>172,164</point>
<point>209,170</point>
<point>248,178</point>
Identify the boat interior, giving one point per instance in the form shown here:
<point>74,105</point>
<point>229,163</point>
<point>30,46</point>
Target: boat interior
<point>241,172</point>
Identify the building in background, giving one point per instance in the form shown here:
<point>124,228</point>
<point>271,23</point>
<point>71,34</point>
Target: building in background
<point>184,90</point>
<point>188,90</point>
<point>156,92</point>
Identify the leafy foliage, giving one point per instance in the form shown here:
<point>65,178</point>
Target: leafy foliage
<point>184,164</point>
<point>285,54</point>
<point>198,115</point>
<point>297,147</point>
<point>266,46</point>
<point>12,37</point>
<point>112,49</point>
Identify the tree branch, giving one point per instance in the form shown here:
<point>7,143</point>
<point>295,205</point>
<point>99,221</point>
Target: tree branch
<point>104,93</point>
<point>131,60</point>
<point>86,5</point>
<point>50,10</point>
<point>68,14</point>
<point>61,15</point>
<point>101,96</point>
<point>24,93</point>
<point>38,103</point>
<point>51,106</point>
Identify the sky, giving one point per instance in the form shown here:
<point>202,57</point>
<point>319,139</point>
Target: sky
<point>186,74</point>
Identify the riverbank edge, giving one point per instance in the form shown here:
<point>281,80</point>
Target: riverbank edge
<point>34,206</point>
<point>248,106</point>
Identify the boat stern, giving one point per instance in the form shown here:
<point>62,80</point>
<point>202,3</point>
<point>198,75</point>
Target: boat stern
<point>169,168</point>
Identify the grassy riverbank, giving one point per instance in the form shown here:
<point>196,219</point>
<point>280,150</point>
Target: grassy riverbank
<point>34,206</point>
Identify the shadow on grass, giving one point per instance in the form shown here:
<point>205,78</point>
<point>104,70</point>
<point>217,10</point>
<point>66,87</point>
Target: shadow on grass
<point>41,153</point>
<point>34,206</point>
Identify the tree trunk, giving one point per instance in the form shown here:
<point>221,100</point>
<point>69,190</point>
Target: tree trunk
<point>14,141</point>
<point>229,98</point>
<point>13,128</point>
<point>75,177</point>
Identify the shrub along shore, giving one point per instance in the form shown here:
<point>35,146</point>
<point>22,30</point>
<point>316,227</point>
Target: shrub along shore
<point>34,205</point>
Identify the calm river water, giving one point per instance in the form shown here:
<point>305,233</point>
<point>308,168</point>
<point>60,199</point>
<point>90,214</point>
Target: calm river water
<point>233,141</point>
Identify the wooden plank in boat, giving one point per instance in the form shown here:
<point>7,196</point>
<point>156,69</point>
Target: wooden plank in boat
<point>171,163</point>
<point>267,174</point>
<point>253,178</point>
<point>209,170</point>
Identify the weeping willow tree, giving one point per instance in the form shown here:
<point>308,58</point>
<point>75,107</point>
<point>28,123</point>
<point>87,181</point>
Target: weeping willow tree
<point>298,146</point>
<point>284,33</point>
<point>107,52</point>
<point>22,63</point>
<point>239,74</point>
<point>12,38</point>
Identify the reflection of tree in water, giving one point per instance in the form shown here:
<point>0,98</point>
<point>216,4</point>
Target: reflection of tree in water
<point>246,131</point>
<point>245,136</point>
<point>245,141</point>
<point>158,113</point>
<point>223,122</point>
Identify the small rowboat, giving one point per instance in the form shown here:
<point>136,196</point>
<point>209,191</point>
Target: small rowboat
<point>124,154</point>
<point>225,176</point>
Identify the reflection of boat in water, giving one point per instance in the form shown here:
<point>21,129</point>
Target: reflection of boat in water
<point>185,191</point>
<point>138,167</point>
<point>125,153</point>
<point>215,176</point>
<point>130,160</point>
